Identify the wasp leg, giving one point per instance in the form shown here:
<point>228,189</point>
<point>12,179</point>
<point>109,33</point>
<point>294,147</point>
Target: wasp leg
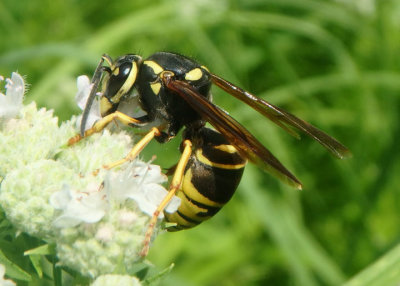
<point>139,146</point>
<point>102,123</point>
<point>174,186</point>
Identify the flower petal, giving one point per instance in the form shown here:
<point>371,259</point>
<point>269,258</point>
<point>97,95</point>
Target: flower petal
<point>11,103</point>
<point>77,207</point>
<point>84,87</point>
<point>60,199</point>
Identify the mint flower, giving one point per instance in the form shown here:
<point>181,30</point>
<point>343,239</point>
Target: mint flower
<point>106,280</point>
<point>31,136</point>
<point>140,182</point>
<point>106,219</point>
<point>89,206</point>
<point>96,218</point>
<point>11,102</point>
<point>25,193</point>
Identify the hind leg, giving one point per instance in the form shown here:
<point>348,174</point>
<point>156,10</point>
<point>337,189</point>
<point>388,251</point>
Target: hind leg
<point>174,186</point>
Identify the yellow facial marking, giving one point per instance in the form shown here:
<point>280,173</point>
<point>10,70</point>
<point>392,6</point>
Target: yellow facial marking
<point>204,160</point>
<point>226,148</point>
<point>116,71</point>
<point>105,106</point>
<point>155,87</point>
<point>194,74</point>
<point>157,69</point>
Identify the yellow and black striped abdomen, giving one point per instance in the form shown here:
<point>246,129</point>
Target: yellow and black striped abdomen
<point>211,177</point>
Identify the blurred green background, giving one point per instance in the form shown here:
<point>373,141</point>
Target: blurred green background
<point>335,64</point>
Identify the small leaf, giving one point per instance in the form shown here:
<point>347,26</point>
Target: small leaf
<point>47,249</point>
<point>385,271</point>
<point>154,280</point>
<point>13,270</point>
<point>140,270</point>
<point>35,260</point>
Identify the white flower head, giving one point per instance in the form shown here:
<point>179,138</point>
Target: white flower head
<point>88,206</point>
<point>141,183</point>
<point>82,95</point>
<point>113,279</point>
<point>105,233</point>
<point>50,191</point>
<point>5,282</point>
<point>127,217</point>
<point>11,102</point>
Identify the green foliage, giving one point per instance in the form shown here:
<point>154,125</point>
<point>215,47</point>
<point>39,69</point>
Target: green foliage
<point>333,63</point>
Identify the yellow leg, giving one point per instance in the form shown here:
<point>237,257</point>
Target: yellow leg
<point>174,186</point>
<point>136,149</point>
<point>102,123</point>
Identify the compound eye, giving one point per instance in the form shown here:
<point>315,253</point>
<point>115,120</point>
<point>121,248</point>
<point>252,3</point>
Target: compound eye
<point>118,77</point>
<point>121,81</point>
<point>124,70</point>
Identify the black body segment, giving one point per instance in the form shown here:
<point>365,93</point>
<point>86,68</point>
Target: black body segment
<point>158,101</point>
<point>211,177</point>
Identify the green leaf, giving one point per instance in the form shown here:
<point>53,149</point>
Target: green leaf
<point>140,270</point>
<point>13,270</point>
<point>385,271</point>
<point>35,260</point>
<point>47,249</point>
<point>156,279</point>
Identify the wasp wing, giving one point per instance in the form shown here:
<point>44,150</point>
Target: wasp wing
<point>246,144</point>
<point>281,117</point>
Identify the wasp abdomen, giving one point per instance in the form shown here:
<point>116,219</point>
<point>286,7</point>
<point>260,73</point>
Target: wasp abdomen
<point>211,178</point>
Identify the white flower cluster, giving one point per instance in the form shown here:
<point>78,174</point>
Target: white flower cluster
<point>107,280</point>
<point>96,219</point>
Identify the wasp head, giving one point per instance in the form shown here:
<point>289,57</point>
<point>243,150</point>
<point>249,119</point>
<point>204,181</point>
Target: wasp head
<point>118,82</point>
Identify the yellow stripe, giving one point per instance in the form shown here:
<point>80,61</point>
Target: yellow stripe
<point>155,87</point>
<point>193,193</point>
<point>105,106</point>
<point>187,208</point>
<point>130,81</point>
<point>204,160</point>
<point>157,69</point>
<point>204,67</point>
<point>180,221</point>
<point>194,74</point>
<point>226,148</point>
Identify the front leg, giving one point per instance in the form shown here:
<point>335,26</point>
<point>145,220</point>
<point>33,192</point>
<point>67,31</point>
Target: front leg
<point>102,123</point>
<point>139,146</point>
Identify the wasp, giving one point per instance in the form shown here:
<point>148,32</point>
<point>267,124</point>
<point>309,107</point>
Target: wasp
<point>174,91</point>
